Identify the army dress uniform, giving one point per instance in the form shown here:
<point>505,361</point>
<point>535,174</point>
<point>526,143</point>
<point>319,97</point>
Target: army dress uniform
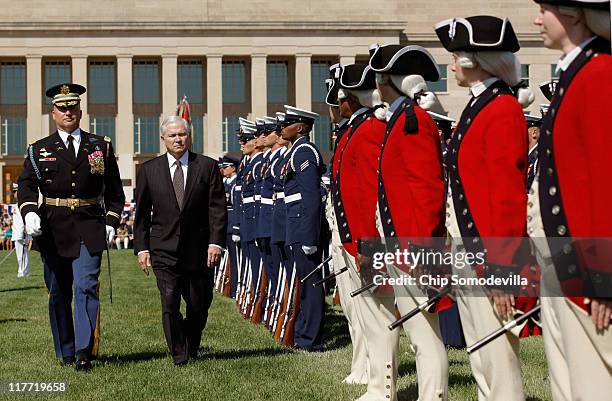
<point>73,222</point>
<point>568,219</point>
<point>232,248</point>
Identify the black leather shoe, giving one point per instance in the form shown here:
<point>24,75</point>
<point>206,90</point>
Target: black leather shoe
<point>67,361</point>
<point>182,363</point>
<point>83,364</point>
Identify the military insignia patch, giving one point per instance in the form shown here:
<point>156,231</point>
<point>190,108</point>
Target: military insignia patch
<point>96,162</point>
<point>65,90</point>
<point>304,165</point>
<point>45,154</point>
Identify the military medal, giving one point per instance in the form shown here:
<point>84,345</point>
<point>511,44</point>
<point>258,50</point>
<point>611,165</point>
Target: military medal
<point>96,162</point>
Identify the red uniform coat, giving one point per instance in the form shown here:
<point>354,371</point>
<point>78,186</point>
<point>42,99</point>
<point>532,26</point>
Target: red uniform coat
<point>576,154</point>
<point>412,179</point>
<point>359,182</point>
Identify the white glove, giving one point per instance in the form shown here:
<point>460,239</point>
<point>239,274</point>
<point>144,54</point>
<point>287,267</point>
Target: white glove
<point>309,250</point>
<point>32,224</point>
<point>110,234</point>
<point>235,238</point>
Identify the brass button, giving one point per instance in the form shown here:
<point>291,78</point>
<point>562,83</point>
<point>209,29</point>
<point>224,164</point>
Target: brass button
<point>72,196</point>
<point>73,184</point>
<point>552,191</point>
<point>73,172</point>
<point>561,230</point>
<point>556,209</point>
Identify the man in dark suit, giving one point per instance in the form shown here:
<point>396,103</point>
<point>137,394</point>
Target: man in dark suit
<point>179,230</point>
<point>76,172</point>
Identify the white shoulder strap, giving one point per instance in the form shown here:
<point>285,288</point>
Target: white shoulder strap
<point>305,145</point>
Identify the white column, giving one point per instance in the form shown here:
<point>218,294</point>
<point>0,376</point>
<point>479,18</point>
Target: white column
<point>169,88</point>
<point>169,84</point>
<point>303,95</point>
<point>124,124</point>
<point>34,97</point>
<point>259,88</point>
<point>79,76</point>
<point>213,137</point>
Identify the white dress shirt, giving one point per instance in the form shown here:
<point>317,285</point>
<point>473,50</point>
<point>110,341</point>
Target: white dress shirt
<point>566,60</point>
<point>76,134</point>
<point>479,88</point>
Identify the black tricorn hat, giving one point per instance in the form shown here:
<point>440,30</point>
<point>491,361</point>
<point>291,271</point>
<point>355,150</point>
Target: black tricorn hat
<point>404,60</point>
<point>332,85</point>
<point>548,88</point>
<point>478,33</point>
<point>358,76</point>
<point>596,4</point>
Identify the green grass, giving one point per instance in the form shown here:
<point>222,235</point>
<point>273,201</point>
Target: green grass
<point>241,362</point>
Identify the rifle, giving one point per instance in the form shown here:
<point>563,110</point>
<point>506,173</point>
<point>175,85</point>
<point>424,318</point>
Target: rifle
<point>287,331</point>
<point>420,308</point>
<point>316,269</point>
<point>278,295</point>
<point>363,289</point>
<point>282,308</point>
<point>507,327</point>
<point>330,277</point>
<point>226,286</point>
<point>260,292</point>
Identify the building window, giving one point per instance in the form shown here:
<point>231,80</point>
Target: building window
<point>525,73</point>
<point>230,137</point>
<point>12,82</point>
<point>321,132</point>
<point>197,134</point>
<point>56,72</point>
<point>320,72</point>
<point>103,126</point>
<point>442,84</point>
<point>278,81</point>
<point>146,134</point>
<point>233,79</point>
<point>101,82</point>
<point>14,139</point>
<point>190,78</point>
<point>146,82</point>
<point>553,72</point>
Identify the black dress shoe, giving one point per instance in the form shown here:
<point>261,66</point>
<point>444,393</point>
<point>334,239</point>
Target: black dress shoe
<point>67,361</point>
<point>83,364</point>
<point>182,363</point>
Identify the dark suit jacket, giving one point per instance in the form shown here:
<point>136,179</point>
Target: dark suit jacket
<point>174,236</point>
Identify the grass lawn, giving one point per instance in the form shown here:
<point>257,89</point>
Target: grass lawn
<point>241,361</point>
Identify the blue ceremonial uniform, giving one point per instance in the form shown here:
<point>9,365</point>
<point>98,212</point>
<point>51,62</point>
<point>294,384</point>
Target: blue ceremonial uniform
<point>247,223</point>
<point>279,214</point>
<point>236,220</point>
<point>232,247</point>
<point>302,177</point>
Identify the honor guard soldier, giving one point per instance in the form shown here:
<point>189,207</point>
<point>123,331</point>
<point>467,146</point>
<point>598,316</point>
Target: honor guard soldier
<point>411,194</point>
<point>569,210</point>
<point>533,133</point>
<point>280,258</point>
<point>348,281</point>
<point>229,167</point>
<point>487,165</point>
<point>302,174</point>
<point>266,209</point>
<point>76,172</point>
<point>247,207</point>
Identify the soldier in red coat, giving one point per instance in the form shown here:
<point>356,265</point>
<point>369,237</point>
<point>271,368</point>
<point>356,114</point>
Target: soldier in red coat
<point>487,164</point>
<point>410,196</point>
<point>569,214</point>
<point>344,283</point>
<point>354,199</point>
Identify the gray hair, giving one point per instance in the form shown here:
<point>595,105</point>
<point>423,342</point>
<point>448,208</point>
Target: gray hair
<point>172,120</point>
